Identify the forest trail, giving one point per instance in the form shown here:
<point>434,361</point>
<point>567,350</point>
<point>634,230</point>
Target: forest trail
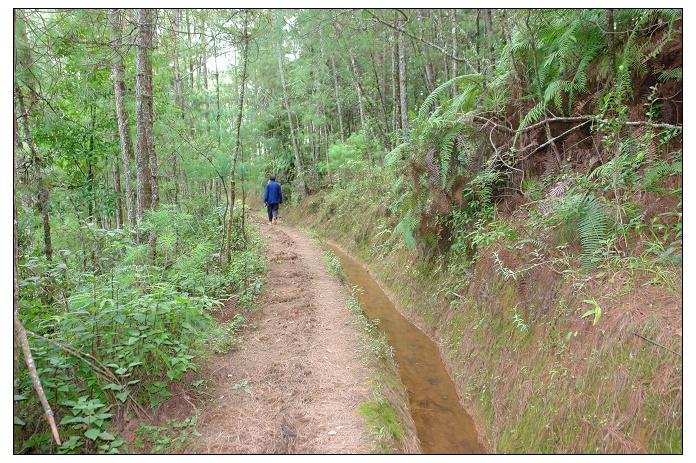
<point>295,383</point>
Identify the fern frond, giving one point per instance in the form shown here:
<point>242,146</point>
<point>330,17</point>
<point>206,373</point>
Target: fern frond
<point>391,157</point>
<point>674,74</point>
<point>439,91</point>
<point>593,229</point>
<point>445,153</point>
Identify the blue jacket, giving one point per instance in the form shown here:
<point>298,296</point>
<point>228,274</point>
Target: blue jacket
<point>273,194</point>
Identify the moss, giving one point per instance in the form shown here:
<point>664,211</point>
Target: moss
<point>383,420</point>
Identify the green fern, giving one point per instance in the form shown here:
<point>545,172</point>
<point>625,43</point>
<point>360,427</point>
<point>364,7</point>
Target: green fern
<point>440,91</point>
<point>393,156</point>
<point>593,229</point>
<point>445,153</point>
<point>674,74</point>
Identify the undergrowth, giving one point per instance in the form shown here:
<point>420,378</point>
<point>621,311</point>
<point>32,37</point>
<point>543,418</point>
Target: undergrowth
<point>113,339</point>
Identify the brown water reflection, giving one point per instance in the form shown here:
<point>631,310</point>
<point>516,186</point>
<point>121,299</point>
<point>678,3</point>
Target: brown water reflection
<point>441,423</point>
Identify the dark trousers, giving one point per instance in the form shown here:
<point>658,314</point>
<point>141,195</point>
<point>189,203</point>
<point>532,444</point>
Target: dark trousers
<point>272,211</point>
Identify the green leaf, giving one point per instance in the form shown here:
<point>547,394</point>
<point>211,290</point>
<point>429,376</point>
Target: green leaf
<point>596,311</point>
<point>122,396</point>
<point>92,433</point>
<point>68,419</point>
<point>18,421</point>
<point>106,436</point>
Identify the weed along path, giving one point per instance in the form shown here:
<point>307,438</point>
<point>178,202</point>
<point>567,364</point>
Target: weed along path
<point>295,384</point>
<point>442,424</point>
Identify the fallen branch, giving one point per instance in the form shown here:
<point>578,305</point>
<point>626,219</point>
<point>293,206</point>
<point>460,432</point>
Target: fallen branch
<point>548,142</point>
<point>94,363</point>
<point>593,118</point>
<point>655,343</point>
<point>29,359</point>
<point>496,125</point>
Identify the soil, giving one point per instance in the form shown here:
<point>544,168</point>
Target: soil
<point>300,365</point>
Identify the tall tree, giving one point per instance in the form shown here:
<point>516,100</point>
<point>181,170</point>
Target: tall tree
<point>286,102</point>
<point>143,96</point>
<point>117,75</point>
<point>20,331</point>
<point>26,72</point>
<point>337,94</point>
<point>403,95</point>
<point>238,141</point>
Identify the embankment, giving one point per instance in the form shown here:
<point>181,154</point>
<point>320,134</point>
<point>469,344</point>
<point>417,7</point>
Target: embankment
<point>535,374</point>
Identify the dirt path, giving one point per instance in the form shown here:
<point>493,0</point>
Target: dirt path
<point>300,365</point>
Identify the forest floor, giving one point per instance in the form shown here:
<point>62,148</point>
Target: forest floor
<point>295,383</point>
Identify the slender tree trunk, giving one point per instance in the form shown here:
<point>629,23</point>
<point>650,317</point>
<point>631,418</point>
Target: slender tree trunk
<point>478,39</point>
<point>41,182</point>
<point>293,137</point>
<point>20,332</point>
<point>179,95</point>
<point>612,47</point>
<point>217,91</point>
<point>143,97</point>
<point>192,124</point>
<point>238,142</point>
<point>204,70</point>
<point>338,96</point>
<point>92,202</point>
<point>126,144</point>
<point>429,79</point>
<point>26,61</point>
<point>117,189</point>
<point>403,95</point>
<point>490,38</point>
<point>358,88</point>
<point>395,84</point>
<point>190,48</point>
<point>453,18</point>
<point>382,102</point>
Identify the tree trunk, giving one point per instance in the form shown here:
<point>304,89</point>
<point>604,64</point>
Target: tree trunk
<point>204,70</point>
<point>238,143</point>
<point>395,84</point>
<point>217,91</point>
<point>117,74</point>
<point>20,332</point>
<point>490,37</point>
<point>382,102</point>
<point>190,50</point>
<point>40,180</point>
<point>286,102</point>
<point>115,171</point>
<point>429,78</point>
<point>338,96</point>
<point>478,39</point>
<point>612,47</point>
<point>453,18</point>
<point>358,88</point>
<point>143,97</point>
<point>402,79</point>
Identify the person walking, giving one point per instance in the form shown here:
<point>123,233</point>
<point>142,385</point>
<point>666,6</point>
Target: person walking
<point>272,198</point>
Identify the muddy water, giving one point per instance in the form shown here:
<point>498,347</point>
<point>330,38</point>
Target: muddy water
<point>441,423</point>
